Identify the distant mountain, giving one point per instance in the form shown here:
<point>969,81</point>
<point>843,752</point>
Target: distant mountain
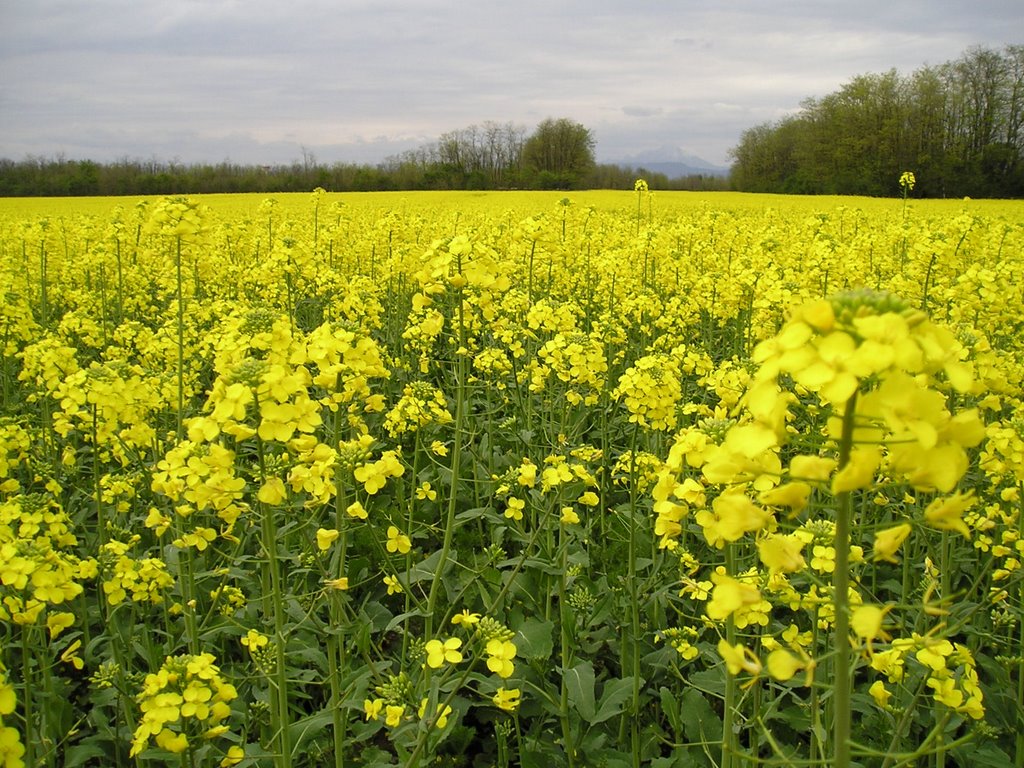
<point>674,162</point>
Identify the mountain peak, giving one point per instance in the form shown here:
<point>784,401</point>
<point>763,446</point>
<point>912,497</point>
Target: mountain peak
<point>668,153</point>
<point>673,161</point>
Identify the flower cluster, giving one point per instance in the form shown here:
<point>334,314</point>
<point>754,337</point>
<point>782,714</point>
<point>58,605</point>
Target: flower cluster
<point>902,424</point>
<point>577,362</point>
<point>882,383</point>
<point>143,580</point>
<point>11,748</point>
<point>36,569</point>
<point>184,703</point>
<point>651,391</point>
<point>353,420</point>
<point>419,406</point>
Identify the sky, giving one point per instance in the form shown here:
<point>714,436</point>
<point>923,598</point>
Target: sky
<point>279,81</point>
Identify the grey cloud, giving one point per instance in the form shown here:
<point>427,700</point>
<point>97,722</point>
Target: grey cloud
<point>359,80</point>
<point>642,111</point>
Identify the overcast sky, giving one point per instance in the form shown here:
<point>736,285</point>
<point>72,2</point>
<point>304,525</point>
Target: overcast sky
<point>259,81</point>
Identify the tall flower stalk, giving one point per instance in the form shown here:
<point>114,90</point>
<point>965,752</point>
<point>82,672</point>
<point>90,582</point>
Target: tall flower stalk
<point>880,372</point>
<point>842,691</point>
<point>907,182</point>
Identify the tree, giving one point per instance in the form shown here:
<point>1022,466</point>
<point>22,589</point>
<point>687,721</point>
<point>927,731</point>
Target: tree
<point>559,154</point>
<point>959,126</point>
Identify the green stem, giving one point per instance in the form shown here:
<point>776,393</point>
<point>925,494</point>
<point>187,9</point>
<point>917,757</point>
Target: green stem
<point>529,272</point>
<point>730,744</point>
<point>31,734</point>
<point>941,712</point>
<point>817,749</point>
<point>414,756</point>
<point>841,690</point>
<point>44,303</point>
<point>187,576</point>
<point>634,602</point>
<point>566,652</point>
<point>101,523</point>
<point>336,651</point>
<point>120,285</point>
<point>280,672</point>
<point>457,437</point>
<point>891,754</point>
<point>406,636</point>
<point>1019,751</point>
<point>181,342</point>
<point>276,606</point>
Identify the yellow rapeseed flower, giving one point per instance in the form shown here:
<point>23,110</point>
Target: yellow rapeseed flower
<point>372,708</point>
<point>888,541</point>
<point>439,652</point>
<point>866,622</point>
<point>507,699</point>
<point>947,513</point>
<point>569,516</point>
<point>783,665</point>
<point>357,511</point>
<point>732,515</point>
<point>729,596</point>
<point>325,537</point>
<point>397,541</point>
<point>500,654</point>
<point>880,694</point>
<point>393,715</point>
<point>466,619</point>
<point>782,553</point>
<point>738,658</point>
<point>514,508</point>
<point>859,471</point>
<point>441,715</point>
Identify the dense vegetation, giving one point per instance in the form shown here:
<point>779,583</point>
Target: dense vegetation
<point>558,155</point>
<point>959,126</point>
<point>478,480</point>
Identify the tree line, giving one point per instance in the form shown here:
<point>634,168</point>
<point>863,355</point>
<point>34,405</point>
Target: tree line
<point>958,126</point>
<point>559,154</point>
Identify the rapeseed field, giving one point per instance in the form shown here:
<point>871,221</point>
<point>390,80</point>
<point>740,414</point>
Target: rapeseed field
<point>495,479</point>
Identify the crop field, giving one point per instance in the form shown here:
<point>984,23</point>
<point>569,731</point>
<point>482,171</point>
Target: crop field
<point>511,479</point>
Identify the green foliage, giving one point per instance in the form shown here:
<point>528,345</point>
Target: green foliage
<point>447,487</point>
<point>957,125</point>
<point>559,154</point>
<point>488,156</point>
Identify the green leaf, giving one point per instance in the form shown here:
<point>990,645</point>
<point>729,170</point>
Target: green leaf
<point>400,618</point>
<point>709,681</point>
<point>473,514</point>
<point>613,696</point>
<point>311,656</point>
<point>670,707</point>
<point>535,639</point>
<point>579,682</point>
<point>424,570</point>
<point>375,757</point>
<point>302,731</point>
<point>81,754</point>
<point>984,756</point>
<point>542,754</point>
<point>819,732</point>
<point>537,564</point>
<point>700,723</point>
